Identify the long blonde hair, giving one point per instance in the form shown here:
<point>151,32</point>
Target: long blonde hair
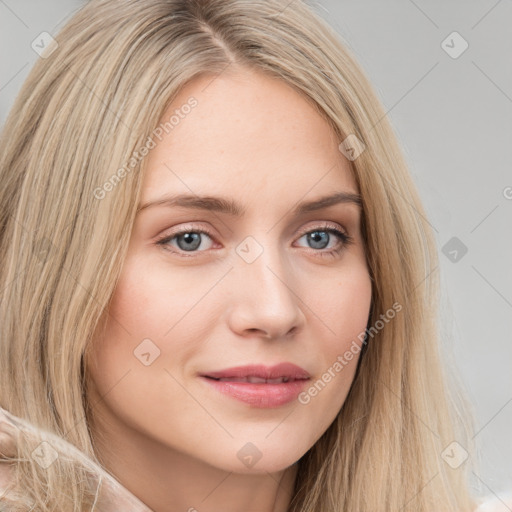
<point>88,105</point>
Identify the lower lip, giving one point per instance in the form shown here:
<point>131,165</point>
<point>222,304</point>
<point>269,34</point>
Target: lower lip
<point>264,396</point>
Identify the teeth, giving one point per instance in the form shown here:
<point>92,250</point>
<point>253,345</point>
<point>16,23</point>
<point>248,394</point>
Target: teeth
<point>277,381</point>
<point>255,380</point>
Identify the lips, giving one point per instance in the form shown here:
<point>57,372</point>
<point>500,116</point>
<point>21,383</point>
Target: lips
<point>259,374</point>
<point>254,380</point>
<point>259,386</point>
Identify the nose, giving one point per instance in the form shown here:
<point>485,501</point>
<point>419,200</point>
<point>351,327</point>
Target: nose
<point>264,302</point>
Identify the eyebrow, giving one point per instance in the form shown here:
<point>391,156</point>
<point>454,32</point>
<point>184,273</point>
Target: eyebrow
<point>231,207</point>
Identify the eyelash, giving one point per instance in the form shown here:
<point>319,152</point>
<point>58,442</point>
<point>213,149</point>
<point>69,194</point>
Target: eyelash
<point>326,228</point>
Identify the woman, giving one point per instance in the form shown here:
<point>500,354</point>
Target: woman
<point>218,280</point>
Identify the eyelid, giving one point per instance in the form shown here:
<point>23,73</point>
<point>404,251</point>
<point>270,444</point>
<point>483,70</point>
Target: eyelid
<point>186,228</point>
<point>323,225</point>
<point>183,228</point>
<point>339,231</point>
<point>303,231</point>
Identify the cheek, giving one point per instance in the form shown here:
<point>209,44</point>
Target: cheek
<point>153,311</point>
<point>140,303</point>
<point>343,307</point>
<point>345,304</point>
<point>153,302</point>
<point>141,350</point>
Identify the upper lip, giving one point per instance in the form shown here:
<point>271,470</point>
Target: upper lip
<point>284,370</point>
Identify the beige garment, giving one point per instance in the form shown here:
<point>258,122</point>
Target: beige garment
<point>113,497</point>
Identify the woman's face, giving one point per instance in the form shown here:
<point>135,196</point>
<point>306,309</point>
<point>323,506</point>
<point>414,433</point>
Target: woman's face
<point>264,282</point>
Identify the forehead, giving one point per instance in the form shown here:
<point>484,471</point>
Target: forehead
<point>247,133</point>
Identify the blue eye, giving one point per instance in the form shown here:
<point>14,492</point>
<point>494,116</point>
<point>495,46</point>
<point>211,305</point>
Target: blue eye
<point>190,240</point>
<point>319,238</point>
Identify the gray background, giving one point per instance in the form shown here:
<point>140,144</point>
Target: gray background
<point>453,118</point>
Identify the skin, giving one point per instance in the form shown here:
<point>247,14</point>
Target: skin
<point>166,435</point>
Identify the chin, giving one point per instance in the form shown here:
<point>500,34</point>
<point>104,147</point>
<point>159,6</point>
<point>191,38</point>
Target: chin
<point>262,467</point>
<point>249,459</point>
